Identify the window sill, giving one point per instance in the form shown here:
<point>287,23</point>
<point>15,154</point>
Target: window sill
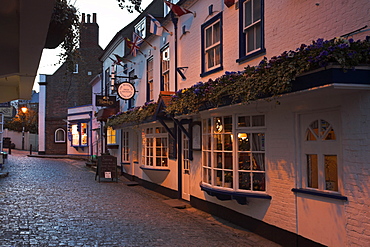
<point>149,168</point>
<point>251,56</point>
<point>211,71</point>
<point>240,197</point>
<point>320,193</point>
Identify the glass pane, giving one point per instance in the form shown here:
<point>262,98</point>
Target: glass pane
<point>209,160</point>
<point>209,142</point>
<point>217,55</point>
<point>218,159</point>
<point>243,142</point>
<point>244,121</point>
<point>250,39</point>
<point>228,121</point>
<point>204,125</point>
<point>244,161</point>
<point>330,135</point>
<point>247,13</point>
<point>256,10</point>
<point>228,179</point>
<point>216,33</point>
<point>258,143</point>
<point>324,126</point>
<point>164,162</point>
<point>258,120</point>
<point>228,164</point>
<point>315,127</point>
<point>228,142</point>
<point>258,36</point>
<point>258,162</point>
<point>209,37</point>
<point>310,136</point>
<point>218,127</point>
<point>158,152</point>
<point>217,142</point>
<point>209,125</point>
<point>210,58</point>
<point>331,172</point>
<point>158,161</point>
<point>218,177</point>
<point>258,181</point>
<point>245,180</point>
<point>312,171</point>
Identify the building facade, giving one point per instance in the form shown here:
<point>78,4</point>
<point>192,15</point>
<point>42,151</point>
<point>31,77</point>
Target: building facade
<point>67,88</point>
<point>234,112</point>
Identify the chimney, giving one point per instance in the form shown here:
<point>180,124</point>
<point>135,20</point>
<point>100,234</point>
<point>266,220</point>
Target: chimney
<point>89,33</point>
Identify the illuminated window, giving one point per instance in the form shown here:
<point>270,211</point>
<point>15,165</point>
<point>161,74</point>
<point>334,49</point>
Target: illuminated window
<point>236,163</point>
<point>111,135</point>
<point>321,161</point>
<point>155,147</point>
<point>79,134</point>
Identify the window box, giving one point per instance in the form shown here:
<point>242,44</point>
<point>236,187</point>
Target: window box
<point>240,197</point>
<point>331,74</point>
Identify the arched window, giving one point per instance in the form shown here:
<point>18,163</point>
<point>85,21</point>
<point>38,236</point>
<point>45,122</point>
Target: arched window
<point>60,136</point>
<point>320,151</point>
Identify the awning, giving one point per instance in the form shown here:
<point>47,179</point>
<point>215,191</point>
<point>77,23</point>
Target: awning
<point>104,114</point>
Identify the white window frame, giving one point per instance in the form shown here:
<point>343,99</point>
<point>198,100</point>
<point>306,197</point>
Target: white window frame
<point>321,147</point>
<point>217,156</point>
<point>56,139</point>
<point>165,68</point>
<point>253,25</point>
<point>213,50</point>
<point>154,155</point>
<point>125,148</point>
<point>150,78</point>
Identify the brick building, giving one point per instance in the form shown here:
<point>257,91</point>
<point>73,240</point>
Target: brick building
<point>68,87</point>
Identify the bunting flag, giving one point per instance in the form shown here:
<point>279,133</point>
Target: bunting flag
<point>135,44</point>
<point>156,27</point>
<point>120,59</point>
<point>178,10</point>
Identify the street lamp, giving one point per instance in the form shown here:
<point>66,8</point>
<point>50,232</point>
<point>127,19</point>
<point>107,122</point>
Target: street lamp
<point>24,111</point>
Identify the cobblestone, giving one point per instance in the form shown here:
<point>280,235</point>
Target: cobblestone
<point>57,202</point>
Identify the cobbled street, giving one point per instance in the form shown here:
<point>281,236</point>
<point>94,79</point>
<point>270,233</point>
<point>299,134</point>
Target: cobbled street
<point>57,202</point>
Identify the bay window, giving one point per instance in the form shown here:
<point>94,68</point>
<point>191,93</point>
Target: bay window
<point>234,152</point>
<point>155,147</point>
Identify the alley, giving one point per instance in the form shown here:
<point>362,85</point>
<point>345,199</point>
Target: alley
<point>57,202</point>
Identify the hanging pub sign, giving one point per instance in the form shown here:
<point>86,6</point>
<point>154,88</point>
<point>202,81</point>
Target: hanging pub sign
<point>126,90</point>
<point>107,101</point>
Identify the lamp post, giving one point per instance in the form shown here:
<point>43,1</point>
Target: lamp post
<point>24,111</point>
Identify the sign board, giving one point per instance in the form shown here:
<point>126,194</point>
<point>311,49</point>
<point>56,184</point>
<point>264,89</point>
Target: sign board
<point>107,167</point>
<point>126,90</point>
<point>107,101</point>
<point>8,111</point>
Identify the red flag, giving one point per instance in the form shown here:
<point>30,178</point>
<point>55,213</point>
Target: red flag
<point>178,10</point>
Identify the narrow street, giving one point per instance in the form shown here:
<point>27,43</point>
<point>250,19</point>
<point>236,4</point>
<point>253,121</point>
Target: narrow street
<point>57,202</point>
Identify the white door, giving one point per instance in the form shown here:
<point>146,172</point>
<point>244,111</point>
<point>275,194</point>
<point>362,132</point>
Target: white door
<point>321,218</point>
<point>185,168</point>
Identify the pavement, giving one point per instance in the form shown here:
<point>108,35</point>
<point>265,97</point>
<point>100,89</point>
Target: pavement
<point>58,202</point>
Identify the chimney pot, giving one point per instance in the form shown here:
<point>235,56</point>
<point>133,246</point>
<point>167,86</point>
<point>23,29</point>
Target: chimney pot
<point>88,18</point>
<point>94,17</point>
<point>83,18</point>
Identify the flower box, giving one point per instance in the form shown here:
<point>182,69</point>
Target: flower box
<point>331,74</point>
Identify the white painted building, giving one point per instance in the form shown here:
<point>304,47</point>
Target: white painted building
<point>293,169</point>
